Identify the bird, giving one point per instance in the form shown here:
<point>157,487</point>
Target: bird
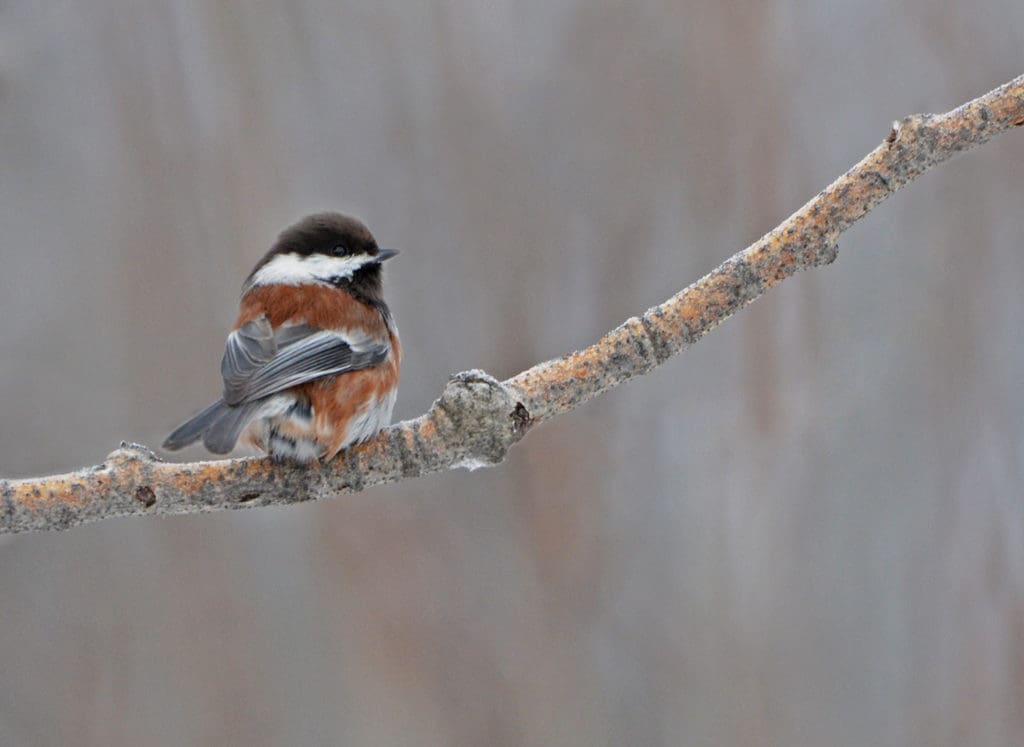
<point>311,366</point>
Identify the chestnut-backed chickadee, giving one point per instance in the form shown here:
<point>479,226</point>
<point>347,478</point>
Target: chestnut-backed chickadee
<point>311,366</point>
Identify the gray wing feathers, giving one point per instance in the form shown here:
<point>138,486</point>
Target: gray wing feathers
<point>319,355</point>
<point>258,363</point>
<point>292,333</point>
<point>251,347</point>
<point>248,348</point>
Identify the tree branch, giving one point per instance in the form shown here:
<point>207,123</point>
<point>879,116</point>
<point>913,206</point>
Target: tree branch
<point>478,418</point>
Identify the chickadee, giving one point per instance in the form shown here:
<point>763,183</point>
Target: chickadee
<point>311,365</point>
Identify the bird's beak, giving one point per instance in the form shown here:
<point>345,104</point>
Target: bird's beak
<point>384,254</point>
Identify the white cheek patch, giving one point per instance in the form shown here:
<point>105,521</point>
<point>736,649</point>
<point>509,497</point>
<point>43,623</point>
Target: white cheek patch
<point>296,269</point>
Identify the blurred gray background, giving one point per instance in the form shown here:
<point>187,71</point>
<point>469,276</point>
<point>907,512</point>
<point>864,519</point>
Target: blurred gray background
<point>806,530</point>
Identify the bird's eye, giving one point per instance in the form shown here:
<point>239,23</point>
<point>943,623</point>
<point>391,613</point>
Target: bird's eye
<point>340,251</point>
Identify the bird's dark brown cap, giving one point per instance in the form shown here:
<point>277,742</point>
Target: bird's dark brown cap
<point>322,232</point>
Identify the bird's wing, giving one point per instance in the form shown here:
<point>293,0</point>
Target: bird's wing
<point>259,362</point>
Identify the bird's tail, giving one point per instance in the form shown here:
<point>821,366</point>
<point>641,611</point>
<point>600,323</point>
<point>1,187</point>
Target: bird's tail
<point>219,425</point>
<point>222,434</point>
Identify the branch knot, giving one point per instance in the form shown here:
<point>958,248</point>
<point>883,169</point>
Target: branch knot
<point>480,418</point>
